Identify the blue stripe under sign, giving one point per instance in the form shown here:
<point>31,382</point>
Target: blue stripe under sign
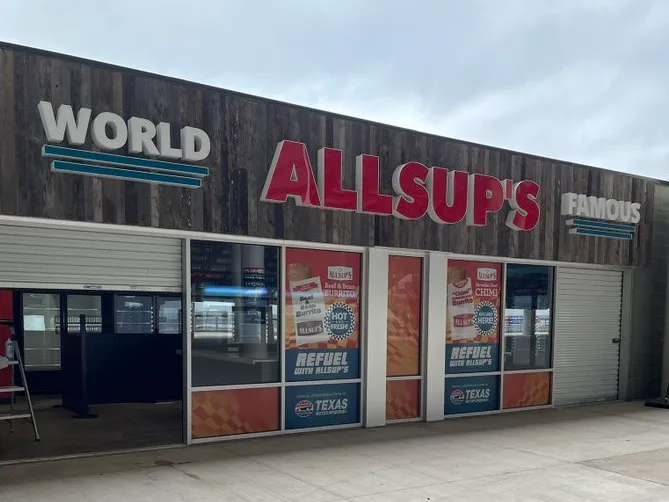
<point>62,152</point>
<point>601,233</point>
<point>602,225</point>
<point>124,174</point>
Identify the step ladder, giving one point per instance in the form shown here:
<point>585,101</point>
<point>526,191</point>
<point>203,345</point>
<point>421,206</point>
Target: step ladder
<point>13,389</point>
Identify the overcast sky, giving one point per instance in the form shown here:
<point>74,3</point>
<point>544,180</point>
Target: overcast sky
<point>579,80</point>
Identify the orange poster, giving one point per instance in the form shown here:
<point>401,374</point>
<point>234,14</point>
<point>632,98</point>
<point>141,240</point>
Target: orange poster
<point>404,315</point>
<point>238,411</point>
<point>522,390</point>
<point>402,399</point>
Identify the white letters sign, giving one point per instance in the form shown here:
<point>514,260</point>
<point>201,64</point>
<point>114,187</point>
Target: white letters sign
<point>145,141</point>
<point>600,217</point>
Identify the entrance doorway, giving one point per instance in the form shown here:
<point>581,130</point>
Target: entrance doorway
<point>104,369</point>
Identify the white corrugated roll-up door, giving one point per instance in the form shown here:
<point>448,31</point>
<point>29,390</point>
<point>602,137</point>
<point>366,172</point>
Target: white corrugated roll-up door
<point>81,258</point>
<point>588,305</point>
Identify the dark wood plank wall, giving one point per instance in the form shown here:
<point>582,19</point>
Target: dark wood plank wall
<point>244,132</point>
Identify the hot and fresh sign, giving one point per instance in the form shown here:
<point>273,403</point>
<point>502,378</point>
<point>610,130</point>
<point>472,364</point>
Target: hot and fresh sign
<point>146,141</point>
<point>600,217</point>
<point>446,196</point>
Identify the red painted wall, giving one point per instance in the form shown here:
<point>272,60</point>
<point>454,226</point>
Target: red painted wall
<point>6,312</point>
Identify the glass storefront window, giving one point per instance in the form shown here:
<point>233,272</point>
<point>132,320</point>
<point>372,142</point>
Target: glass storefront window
<point>134,314</point>
<point>235,310</point>
<point>41,331</point>
<point>527,317</point>
<point>87,305</point>
<point>169,315</point>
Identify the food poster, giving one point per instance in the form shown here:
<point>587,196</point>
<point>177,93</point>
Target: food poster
<point>473,313</point>
<point>404,315</point>
<point>326,405</point>
<point>322,315</point>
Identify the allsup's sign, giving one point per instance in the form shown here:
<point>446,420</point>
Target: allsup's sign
<point>446,196</point>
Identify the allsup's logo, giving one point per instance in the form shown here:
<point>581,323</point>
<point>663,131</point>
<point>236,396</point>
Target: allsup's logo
<point>109,133</point>
<point>601,217</point>
<point>339,273</point>
<point>446,196</point>
<point>486,274</point>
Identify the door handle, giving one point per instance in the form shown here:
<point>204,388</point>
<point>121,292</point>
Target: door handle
<point>179,352</point>
<point>615,340</point>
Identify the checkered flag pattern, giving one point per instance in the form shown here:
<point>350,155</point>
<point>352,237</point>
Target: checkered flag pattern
<point>402,399</point>
<point>536,391</point>
<point>228,412</point>
<point>404,319</point>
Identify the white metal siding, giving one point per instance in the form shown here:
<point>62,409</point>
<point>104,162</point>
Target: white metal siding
<point>84,259</point>
<point>587,319</point>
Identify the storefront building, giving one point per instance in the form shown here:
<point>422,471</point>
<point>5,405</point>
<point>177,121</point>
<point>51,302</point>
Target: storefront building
<point>279,269</point>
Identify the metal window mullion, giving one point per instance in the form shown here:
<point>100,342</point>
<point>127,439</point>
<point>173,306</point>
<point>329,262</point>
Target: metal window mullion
<point>282,331</point>
<point>502,336</point>
<point>187,330</point>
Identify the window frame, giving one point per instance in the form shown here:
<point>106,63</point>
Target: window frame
<point>275,294</point>
<point>551,332</point>
<point>168,296</point>
<point>422,324</point>
<point>66,325</point>
<point>114,320</point>
<point>20,307</point>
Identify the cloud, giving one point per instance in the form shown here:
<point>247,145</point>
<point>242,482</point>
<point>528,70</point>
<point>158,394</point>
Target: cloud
<point>580,80</point>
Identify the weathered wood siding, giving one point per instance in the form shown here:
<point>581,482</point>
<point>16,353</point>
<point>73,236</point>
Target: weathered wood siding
<point>244,132</point>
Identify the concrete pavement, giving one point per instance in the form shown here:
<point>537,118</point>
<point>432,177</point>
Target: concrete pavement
<point>614,452</point>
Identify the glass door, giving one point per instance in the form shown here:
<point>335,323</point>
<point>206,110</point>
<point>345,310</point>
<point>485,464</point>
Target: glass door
<point>41,331</point>
<point>89,306</point>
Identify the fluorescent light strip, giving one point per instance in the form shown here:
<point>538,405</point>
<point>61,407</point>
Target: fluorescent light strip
<point>234,291</point>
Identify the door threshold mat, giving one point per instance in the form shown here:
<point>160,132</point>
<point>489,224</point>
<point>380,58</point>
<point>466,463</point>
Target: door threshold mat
<point>662,402</point>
